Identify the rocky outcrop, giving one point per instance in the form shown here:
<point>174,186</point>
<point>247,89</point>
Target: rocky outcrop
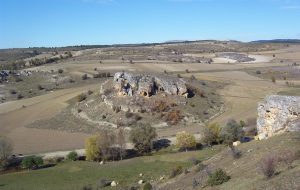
<point>278,114</point>
<point>148,85</point>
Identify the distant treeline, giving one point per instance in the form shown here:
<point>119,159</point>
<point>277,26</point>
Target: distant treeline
<point>288,41</point>
<point>21,64</point>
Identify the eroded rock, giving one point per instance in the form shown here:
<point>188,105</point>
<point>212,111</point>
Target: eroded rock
<point>278,114</point>
<point>128,84</point>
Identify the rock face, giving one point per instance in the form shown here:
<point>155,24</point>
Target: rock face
<point>278,114</point>
<point>147,85</point>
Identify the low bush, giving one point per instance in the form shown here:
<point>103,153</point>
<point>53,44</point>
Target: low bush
<point>193,77</point>
<point>40,87</point>
<point>60,71</point>
<point>72,156</point>
<point>18,79</point>
<point>176,171</point>
<point>195,161</point>
<point>268,166</point>
<point>104,183</point>
<point>235,153</point>
<point>258,72</point>
<point>218,177</point>
<point>147,186</point>
<point>89,92</point>
<point>87,187</point>
<point>32,162</point>
<point>20,96</point>
<point>71,80</point>
<point>81,97</point>
<point>128,114</point>
<point>160,106</point>
<point>84,77</point>
<point>174,117</point>
<point>273,79</point>
<point>12,91</point>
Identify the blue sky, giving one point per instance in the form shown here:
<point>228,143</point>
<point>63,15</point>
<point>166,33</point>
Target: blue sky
<point>32,23</point>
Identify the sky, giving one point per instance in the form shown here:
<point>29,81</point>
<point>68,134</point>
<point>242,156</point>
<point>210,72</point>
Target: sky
<point>54,23</point>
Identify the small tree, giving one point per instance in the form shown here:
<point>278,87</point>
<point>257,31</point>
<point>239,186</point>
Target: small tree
<point>6,149</point>
<point>121,141</point>
<point>218,177</point>
<point>185,140</point>
<point>72,156</point>
<point>92,151</point>
<point>105,141</point>
<point>32,162</point>
<point>142,137</point>
<point>231,132</point>
<point>211,134</point>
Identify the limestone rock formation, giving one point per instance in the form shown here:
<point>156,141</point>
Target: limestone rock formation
<point>148,85</point>
<point>278,114</point>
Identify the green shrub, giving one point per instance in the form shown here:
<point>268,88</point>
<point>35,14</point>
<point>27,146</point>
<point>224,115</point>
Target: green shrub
<point>218,177</point>
<point>212,134</point>
<point>147,186</point>
<point>142,137</point>
<point>72,156</point>
<point>232,132</point>
<point>60,71</point>
<point>32,162</point>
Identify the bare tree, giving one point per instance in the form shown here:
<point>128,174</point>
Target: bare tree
<point>121,141</point>
<point>6,148</point>
<point>105,142</point>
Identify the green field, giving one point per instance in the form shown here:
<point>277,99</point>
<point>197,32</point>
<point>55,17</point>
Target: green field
<point>75,175</point>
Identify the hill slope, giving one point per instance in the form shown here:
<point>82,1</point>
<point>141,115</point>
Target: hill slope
<point>244,171</point>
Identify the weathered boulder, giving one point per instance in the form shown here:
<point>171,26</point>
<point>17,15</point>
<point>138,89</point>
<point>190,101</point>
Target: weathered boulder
<point>113,184</point>
<point>278,114</point>
<point>148,85</point>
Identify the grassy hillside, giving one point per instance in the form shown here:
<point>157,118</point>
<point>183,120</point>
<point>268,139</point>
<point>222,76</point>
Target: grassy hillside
<point>75,175</point>
<point>244,172</point>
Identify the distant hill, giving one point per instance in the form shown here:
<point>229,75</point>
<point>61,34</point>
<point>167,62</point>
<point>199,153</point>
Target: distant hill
<point>278,41</point>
